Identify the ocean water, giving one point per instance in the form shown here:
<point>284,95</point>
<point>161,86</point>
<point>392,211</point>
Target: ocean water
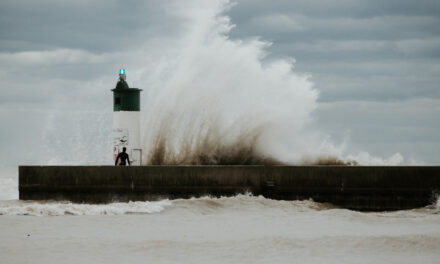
<point>240,229</point>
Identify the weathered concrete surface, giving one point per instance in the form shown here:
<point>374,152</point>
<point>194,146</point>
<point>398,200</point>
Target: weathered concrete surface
<point>353,187</point>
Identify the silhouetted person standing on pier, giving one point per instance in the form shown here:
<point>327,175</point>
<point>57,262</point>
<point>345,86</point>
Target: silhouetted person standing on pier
<point>124,158</point>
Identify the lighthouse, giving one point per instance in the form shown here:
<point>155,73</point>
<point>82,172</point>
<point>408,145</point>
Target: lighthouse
<point>126,119</point>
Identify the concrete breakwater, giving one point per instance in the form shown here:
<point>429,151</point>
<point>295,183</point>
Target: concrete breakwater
<point>368,188</point>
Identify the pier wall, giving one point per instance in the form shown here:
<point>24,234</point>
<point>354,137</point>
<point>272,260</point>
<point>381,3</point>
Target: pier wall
<point>355,187</point>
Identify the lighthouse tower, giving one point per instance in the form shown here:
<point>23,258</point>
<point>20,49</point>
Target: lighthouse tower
<point>126,118</point>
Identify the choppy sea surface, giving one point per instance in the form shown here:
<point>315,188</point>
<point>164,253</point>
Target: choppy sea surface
<point>240,229</point>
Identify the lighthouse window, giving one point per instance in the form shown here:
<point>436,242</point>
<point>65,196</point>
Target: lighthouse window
<point>117,100</point>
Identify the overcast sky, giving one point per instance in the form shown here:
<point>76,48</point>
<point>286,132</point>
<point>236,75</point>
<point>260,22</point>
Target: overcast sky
<point>376,65</point>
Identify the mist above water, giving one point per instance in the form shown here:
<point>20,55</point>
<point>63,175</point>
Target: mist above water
<point>226,103</point>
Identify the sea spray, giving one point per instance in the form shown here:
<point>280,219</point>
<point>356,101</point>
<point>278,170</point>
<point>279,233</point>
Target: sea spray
<point>215,100</point>
<point>224,105</point>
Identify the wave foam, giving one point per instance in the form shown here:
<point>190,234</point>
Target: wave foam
<point>37,208</point>
<point>198,206</point>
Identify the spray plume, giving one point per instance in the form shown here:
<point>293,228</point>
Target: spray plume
<point>226,103</point>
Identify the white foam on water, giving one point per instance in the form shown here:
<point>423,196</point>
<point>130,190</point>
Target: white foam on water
<point>42,208</point>
<point>240,203</point>
<point>200,205</point>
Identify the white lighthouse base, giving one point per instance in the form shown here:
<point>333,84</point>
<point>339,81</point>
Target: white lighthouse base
<point>126,133</point>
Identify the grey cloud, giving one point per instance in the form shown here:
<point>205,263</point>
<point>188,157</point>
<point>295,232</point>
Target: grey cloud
<point>341,28</point>
<point>375,80</point>
<point>386,127</point>
<point>338,8</point>
<point>277,23</point>
<point>97,26</point>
